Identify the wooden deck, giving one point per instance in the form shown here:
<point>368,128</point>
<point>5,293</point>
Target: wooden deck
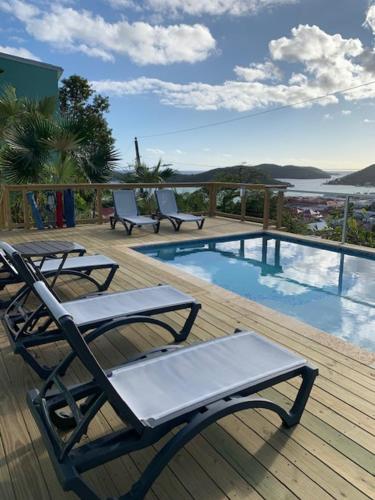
<point>329,454</point>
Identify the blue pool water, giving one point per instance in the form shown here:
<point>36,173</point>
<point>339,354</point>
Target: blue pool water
<point>331,290</point>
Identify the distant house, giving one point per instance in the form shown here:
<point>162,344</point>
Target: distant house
<point>32,79</point>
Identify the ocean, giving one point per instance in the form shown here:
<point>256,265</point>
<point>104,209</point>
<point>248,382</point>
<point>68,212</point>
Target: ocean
<point>320,185</point>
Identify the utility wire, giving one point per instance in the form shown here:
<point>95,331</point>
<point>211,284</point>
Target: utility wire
<point>259,113</point>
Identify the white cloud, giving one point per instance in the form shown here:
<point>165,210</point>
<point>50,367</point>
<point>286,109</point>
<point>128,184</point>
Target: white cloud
<point>328,116</point>
<point>367,120</point>
<point>328,64</point>
<point>346,112</point>
<point>311,44</point>
<point>19,51</point>
<point>67,28</point>
<point>210,7</point>
<point>258,71</point>
<point>155,151</point>
<point>370,17</point>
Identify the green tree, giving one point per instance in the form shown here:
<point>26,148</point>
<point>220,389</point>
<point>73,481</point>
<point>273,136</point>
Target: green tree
<point>80,102</point>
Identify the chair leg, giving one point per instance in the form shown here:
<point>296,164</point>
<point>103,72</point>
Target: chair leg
<point>189,323</point>
<point>128,227</point>
<point>200,223</point>
<point>308,377</point>
<point>156,227</point>
<point>176,224</point>
<point>113,222</point>
<point>109,279</point>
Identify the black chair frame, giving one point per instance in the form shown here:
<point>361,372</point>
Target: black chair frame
<point>85,272</point>
<point>71,459</point>
<point>176,222</point>
<point>129,225</point>
<point>28,329</point>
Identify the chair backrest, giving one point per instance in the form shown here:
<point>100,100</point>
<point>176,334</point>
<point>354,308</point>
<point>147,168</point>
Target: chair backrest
<point>81,348</point>
<point>125,203</point>
<point>166,200</point>
<point>6,253</point>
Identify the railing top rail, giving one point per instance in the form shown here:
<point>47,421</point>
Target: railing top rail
<point>111,185</point>
<point>122,185</point>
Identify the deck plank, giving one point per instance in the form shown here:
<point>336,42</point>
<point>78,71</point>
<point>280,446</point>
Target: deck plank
<point>248,455</point>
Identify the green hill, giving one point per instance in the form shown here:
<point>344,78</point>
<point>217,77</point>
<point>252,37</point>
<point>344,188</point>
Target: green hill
<point>237,173</point>
<point>292,171</point>
<point>364,177</point>
<point>266,173</point>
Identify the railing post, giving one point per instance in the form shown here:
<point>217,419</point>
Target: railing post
<point>266,208</point>
<point>2,220</point>
<point>99,207</point>
<point>212,190</point>
<point>243,195</point>
<point>26,222</point>
<point>280,208</point>
<point>345,221</point>
<point>6,209</point>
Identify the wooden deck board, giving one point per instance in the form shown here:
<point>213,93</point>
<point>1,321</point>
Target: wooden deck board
<point>248,455</point>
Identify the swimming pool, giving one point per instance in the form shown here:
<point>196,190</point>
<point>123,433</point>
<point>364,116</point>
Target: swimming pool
<point>332,290</point>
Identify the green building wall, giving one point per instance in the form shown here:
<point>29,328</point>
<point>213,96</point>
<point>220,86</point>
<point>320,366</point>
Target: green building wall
<point>31,79</point>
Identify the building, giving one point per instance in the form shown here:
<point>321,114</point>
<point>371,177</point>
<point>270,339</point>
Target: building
<point>32,79</point>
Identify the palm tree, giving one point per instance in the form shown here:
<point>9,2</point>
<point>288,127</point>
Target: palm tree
<point>25,152</point>
<point>37,145</point>
<point>142,174</point>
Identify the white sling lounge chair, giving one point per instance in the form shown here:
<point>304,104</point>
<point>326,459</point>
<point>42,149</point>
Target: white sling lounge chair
<point>167,209</point>
<point>53,267</point>
<point>126,212</point>
<point>182,390</point>
<point>28,327</point>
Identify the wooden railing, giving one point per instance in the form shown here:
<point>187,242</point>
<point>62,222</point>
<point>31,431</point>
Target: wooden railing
<point>25,220</point>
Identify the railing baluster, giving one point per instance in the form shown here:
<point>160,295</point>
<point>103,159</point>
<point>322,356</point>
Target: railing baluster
<point>99,207</point>
<point>266,208</point>
<point>243,195</point>
<point>280,209</point>
<point>345,221</point>
<point>212,190</point>
<point>25,208</point>
<point>7,210</point>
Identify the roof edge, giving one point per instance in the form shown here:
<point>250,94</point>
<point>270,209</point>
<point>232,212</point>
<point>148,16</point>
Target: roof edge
<point>24,60</point>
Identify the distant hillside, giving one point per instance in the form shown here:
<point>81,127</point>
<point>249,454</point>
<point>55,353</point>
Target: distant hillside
<point>266,173</point>
<point>292,171</point>
<point>364,177</point>
<point>237,173</point>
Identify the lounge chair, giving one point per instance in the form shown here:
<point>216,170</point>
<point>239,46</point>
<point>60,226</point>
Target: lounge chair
<point>126,212</point>
<point>167,209</point>
<point>29,327</point>
<point>80,267</point>
<point>189,388</point>
<point>7,277</point>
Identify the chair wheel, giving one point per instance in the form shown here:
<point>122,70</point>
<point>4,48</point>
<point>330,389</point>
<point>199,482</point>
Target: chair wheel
<point>63,419</point>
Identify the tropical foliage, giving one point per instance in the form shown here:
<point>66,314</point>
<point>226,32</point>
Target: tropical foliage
<point>38,145</point>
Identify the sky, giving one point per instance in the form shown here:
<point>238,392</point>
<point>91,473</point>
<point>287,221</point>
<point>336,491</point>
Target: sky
<point>169,65</point>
